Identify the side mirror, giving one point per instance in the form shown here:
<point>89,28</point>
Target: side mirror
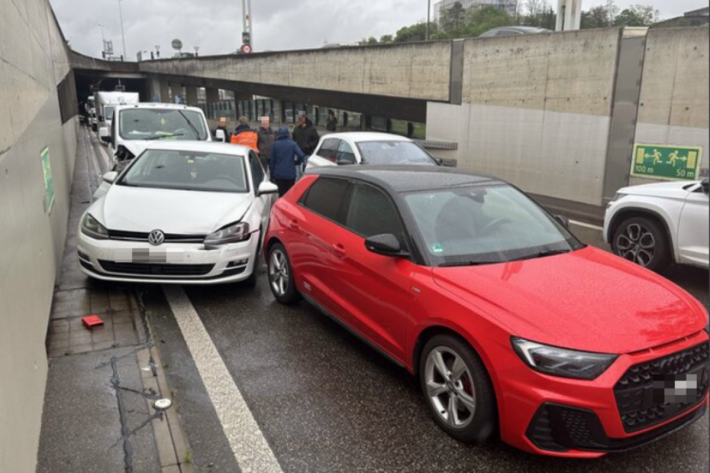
<point>385,245</point>
<point>220,136</point>
<point>562,220</point>
<point>110,177</point>
<point>104,134</point>
<point>266,188</point>
<point>704,185</point>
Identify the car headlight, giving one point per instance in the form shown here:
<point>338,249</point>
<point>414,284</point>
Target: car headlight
<point>233,233</point>
<point>560,361</point>
<point>91,227</point>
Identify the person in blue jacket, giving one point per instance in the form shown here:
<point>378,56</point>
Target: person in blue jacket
<point>285,154</point>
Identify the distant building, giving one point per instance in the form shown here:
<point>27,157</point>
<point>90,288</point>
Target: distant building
<point>508,5</point>
<point>699,17</point>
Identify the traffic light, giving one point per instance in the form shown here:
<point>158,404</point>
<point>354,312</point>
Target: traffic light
<point>246,38</point>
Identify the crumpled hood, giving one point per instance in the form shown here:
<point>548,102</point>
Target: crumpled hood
<point>136,147</point>
<point>172,211</point>
<point>587,300</point>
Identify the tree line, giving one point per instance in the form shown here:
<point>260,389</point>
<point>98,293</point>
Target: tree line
<point>459,22</point>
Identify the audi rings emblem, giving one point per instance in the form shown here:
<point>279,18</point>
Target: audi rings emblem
<point>156,237</point>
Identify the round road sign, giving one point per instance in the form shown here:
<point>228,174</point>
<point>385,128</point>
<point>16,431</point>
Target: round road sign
<point>177,44</point>
<point>246,49</point>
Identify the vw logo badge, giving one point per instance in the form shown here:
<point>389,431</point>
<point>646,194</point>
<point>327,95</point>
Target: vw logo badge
<point>156,237</point>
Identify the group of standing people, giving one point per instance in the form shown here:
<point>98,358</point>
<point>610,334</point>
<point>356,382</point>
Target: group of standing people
<point>281,151</point>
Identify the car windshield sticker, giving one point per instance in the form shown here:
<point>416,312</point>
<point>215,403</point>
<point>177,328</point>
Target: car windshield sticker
<point>437,248</point>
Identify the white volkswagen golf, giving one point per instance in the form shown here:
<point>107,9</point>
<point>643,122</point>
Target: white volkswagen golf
<point>182,212</point>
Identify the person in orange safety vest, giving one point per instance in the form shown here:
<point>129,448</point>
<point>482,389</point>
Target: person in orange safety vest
<point>245,136</point>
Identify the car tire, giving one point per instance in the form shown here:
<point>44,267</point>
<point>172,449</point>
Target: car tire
<point>643,241</point>
<point>280,274</point>
<point>470,389</point>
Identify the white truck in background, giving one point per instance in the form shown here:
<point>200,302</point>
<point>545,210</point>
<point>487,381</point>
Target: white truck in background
<point>106,102</point>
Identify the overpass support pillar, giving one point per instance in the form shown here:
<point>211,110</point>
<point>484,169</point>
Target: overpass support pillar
<point>212,96</point>
<point>164,91</point>
<point>175,90</point>
<point>191,95</point>
<point>239,97</point>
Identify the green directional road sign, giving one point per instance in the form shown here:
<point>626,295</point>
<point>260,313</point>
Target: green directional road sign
<point>246,38</point>
<point>666,162</point>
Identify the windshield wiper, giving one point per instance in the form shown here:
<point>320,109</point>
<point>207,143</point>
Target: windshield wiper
<point>542,254</point>
<point>194,129</point>
<point>466,263</point>
<point>166,135</point>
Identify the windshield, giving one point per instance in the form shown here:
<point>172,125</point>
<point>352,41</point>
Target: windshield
<point>394,152</point>
<point>187,170</point>
<point>485,224</point>
<point>156,124</point>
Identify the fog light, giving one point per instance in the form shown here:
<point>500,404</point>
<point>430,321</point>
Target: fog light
<point>241,262</point>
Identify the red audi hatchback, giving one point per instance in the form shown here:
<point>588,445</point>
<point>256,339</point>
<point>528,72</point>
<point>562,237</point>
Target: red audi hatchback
<point>510,323</point>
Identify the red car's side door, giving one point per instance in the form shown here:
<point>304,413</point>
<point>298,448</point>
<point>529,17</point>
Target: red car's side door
<point>310,222</point>
<point>371,292</point>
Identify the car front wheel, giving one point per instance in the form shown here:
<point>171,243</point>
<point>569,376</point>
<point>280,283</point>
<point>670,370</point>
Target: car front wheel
<point>281,280</point>
<point>642,241</point>
<point>457,389</point>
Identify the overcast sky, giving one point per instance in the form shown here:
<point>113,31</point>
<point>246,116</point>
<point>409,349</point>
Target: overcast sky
<point>215,25</point>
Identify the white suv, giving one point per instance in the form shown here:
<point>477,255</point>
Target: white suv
<point>657,224</point>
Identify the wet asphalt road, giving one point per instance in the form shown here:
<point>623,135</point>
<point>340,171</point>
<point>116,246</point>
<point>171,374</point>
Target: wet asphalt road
<point>326,402</point>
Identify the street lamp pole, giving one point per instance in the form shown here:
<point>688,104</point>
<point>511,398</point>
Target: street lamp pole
<point>428,18</point>
<point>123,36</point>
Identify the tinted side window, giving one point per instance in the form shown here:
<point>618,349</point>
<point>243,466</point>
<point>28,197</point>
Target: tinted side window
<point>326,197</point>
<point>257,172</point>
<point>329,149</point>
<point>372,212</point>
<point>345,154</point>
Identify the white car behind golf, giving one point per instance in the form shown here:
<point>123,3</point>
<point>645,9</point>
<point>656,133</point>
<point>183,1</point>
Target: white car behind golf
<point>656,224</point>
<point>368,148</point>
<point>181,212</point>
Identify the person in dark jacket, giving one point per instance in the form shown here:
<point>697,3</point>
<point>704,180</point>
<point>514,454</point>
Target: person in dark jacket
<point>223,126</point>
<point>305,135</point>
<point>266,141</point>
<point>285,154</point>
<point>331,123</point>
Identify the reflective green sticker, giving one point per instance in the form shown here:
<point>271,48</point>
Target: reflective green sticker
<point>437,248</point>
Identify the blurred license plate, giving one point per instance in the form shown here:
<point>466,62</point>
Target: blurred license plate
<point>677,389</point>
<point>149,256</point>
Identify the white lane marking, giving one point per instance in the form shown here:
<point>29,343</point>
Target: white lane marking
<point>250,449</point>
<point>586,225</point>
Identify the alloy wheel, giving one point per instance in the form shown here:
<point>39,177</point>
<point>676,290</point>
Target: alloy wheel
<point>278,272</point>
<point>636,243</point>
<point>450,387</point>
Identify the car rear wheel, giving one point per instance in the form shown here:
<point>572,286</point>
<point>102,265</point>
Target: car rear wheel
<point>280,275</point>
<point>457,389</point>
<point>642,241</point>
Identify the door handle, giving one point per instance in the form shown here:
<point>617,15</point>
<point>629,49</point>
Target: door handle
<point>293,224</point>
<point>339,250</point>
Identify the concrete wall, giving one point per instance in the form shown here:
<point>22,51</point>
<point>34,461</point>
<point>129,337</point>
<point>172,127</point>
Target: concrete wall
<point>536,111</point>
<point>674,103</point>
<point>419,71</point>
<point>33,61</point>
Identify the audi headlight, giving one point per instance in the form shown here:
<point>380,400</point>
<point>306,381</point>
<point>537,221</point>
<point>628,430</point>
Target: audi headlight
<point>617,196</point>
<point>233,233</point>
<point>91,227</point>
<point>560,361</point>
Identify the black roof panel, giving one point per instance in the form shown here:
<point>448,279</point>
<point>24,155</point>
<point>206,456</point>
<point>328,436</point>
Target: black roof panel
<point>408,178</point>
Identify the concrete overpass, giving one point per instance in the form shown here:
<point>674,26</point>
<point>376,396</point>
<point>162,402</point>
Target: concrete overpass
<point>556,114</point>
